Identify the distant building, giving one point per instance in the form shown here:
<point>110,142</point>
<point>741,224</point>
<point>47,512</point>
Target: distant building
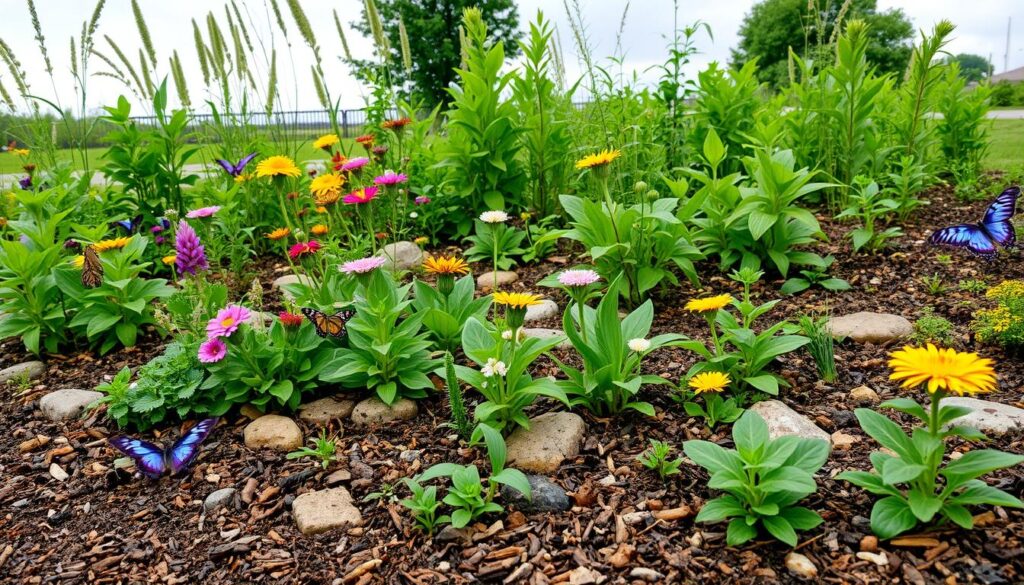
<point>1012,76</point>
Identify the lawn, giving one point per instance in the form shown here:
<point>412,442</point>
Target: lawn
<point>1007,138</point>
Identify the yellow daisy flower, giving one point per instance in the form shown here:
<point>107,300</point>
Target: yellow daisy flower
<point>78,261</point>
<point>168,260</point>
<point>942,369</point>
<point>706,305</point>
<point>326,186</point>
<point>319,229</point>
<point>709,382</point>
<point>277,166</point>
<point>421,241</point>
<point>598,159</point>
<point>112,244</point>
<point>326,141</point>
<point>516,300</point>
<point>279,233</point>
<point>445,265</point>
<point>321,209</point>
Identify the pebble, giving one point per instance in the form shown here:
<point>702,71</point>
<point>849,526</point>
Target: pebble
<point>58,472</point>
<point>783,420</point>
<point>323,411</point>
<point>552,438</point>
<point>372,411</point>
<point>869,543</point>
<point>990,417</point>
<point>485,281</point>
<point>324,510</point>
<point>868,327</point>
<point>801,566</point>
<point>546,496</point>
<point>339,476</point>
<point>287,279</point>
<point>878,558</point>
<point>863,395</point>
<point>542,310</point>
<point>30,370</point>
<point>842,441</point>
<point>545,333</point>
<point>67,404</point>
<point>401,256</point>
<point>218,498</point>
<point>410,455</point>
<point>646,574</point>
<point>273,431</point>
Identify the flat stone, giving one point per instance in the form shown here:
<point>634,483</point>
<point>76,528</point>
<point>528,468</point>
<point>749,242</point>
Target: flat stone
<point>552,438</point>
<point>542,310</point>
<point>545,333</point>
<point>323,411</point>
<point>272,431</point>
<point>842,441</point>
<point>58,473</point>
<point>24,371</point>
<point>372,411</point>
<point>67,404</point>
<point>546,496</point>
<point>324,510</point>
<point>783,420</point>
<point>401,256</point>
<point>989,417</point>
<point>868,327</point>
<point>801,566</point>
<point>485,281</point>
<point>222,497</point>
<point>864,395</point>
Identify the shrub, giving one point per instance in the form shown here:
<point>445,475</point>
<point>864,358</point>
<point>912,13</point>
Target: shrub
<point>1004,323</point>
<point>932,328</point>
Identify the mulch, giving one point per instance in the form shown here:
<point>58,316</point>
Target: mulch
<point>102,525</point>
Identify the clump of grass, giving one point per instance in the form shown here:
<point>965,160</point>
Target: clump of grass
<point>934,284</point>
<point>931,328</point>
<point>973,286</point>
<point>821,346</point>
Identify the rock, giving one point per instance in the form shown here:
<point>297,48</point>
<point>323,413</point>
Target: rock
<point>325,510</point>
<point>410,455</point>
<point>864,395</point>
<point>272,431</point>
<point>485,281</point>
<point>842,441</point>
<point>372,411</point>
<point>450,534</point>
<point>338,477</point>
<point>24,371</point>
<point>646,574</point>
<point>542,310</point>
<point>546,496</point>
<point>551,438</point>
<point>58,472</point>
<point>879,558</point>
<point>543,333</point>
<point>783,420</point>
<point>281,281</point>
<point>67,404</point>
<point>865,327</point>
<point>222,497</point>
<point>401,256</point>
<point>801,566</point>
<point>249,411</point>
<point>869,543</point>
<point>323,411</point>
<point>988,417</point>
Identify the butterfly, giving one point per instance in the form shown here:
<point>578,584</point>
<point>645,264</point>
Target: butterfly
<point>153,460</point>
<point>981,238</point>
<point>235,170</point>
<point>130,226</point>
<point>332,325</point>
<point>92,268</point>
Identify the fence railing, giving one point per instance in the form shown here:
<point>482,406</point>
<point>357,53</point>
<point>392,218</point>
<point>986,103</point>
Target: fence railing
<point>311,122</point>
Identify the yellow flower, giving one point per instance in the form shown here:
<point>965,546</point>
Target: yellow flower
<point>277,166</point>
<point>319,229</point>
<point>446,265</point>
<point>1007,289</point>
<point>598,159</point>
<point>321,209</point>
<point>78,261</point>
<point>279,233</point>
<point>116,243</point>
<point>942,369</point>
<point>326,141</point>
<point>20,151</point>
<point>168,260</point>
<point>421,241</point>
<point>326,186</point>
<point>243,177</point>
<point>709,382</point>
<point>708,304</point>
<point>516,300</point>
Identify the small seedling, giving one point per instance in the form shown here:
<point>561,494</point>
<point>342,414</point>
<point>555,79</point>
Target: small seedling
<point>323,450</point>
<point>423,504</point>
<point>934,284</point>
<point>656,459</point>
<point>944,259</point>
<point>973,286</point>
<point>931,328</point>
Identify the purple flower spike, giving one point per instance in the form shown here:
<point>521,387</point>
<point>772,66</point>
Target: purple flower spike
<point>190,252</point>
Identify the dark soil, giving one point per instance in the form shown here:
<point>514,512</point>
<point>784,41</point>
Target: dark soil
<point>104,526</point>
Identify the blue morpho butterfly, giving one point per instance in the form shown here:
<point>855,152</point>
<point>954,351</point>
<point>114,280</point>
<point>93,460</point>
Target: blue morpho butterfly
<point>153,461</point>
<point>235,170</point>
<point>981,238</point>
<point>130,226</point>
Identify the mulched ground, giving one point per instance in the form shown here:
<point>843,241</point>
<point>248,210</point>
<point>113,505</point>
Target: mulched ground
<point>104,526</point>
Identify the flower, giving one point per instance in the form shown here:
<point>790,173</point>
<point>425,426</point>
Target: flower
<point>709,304</point>
<point>445,265</point>
<point>578,278</point>
<point>25,183</point>
<point>493,367</point>
<point>78,261</point>
<point>319,229</point>
<point>289,319</point>
<point>329,198</point>
<point>326,141</point>
<point>942,369</point>
<point>303,248</point>
<point>639,344</point>
<point>366,140</point>
<point>321,209</point>
<point>421,241</point>
<point>156,229</point>
<point>598,159</point>
<point>191,256</point>
<point>111,244</point>
<point>709,382</point>
<point>202,212</point>
<point>355,164</point>
<point>363,265</point>
<point>516,300</point>
<point>278,233</point>
<point>277,166</point>
<point>170,259</point>
<point>413,215</point>
<point>494,217</point>
<point>212,350</point>
<point>360,196</point>
<point>19,151</point>
<point>390,178</point>
<point>326,185</point>
<point>227,321</point>
<point>421,200</point>
<point>396,125</point>
<point>243,177</point>
<point>379,152</point>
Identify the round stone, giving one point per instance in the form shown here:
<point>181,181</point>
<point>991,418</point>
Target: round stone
<point>272,431</point>
<point>67,404</point>
<point>372,411</point>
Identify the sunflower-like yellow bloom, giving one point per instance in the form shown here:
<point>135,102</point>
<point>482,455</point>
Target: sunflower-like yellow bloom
<point>326,141</point>
<point>326,184</point>
<point>516,300</point>
<point>709,382</point>
<point>598,159</point>
<point>168,260</point>
<point>319,229</point>
<point>942,369</point>
<point>277,166</point>
<point>112,244</point>
<point>279,233</point>
<point>445,265</point>
<point>421,241</point>
<point>709,304</point>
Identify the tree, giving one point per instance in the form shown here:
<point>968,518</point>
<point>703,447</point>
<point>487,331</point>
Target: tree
<point>774,26</point>
<point>432,28</point>
<point>972,67</point>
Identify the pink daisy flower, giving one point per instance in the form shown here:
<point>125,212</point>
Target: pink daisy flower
<point>390,178</point>
<point>578,278</point>
<point>361,196</point>
<point>212,351</point>
<point>363,265</point>
<point>355,164</point>
<point>227,321</point>
<point>203,212</point>
<point>303,248</point>
<point>421,200</point>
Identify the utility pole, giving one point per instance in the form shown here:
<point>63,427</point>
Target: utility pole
<point>1006,55</point>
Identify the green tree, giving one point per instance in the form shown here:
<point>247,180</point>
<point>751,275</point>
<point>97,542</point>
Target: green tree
<point>972,67</point>
<point>774,26</point>
<point>432,28</point>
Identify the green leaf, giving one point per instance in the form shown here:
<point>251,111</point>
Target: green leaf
<point>977,463</point>
<point>750,433</point>
<point>977,493</point>
<point>801,518</point>
<point>739,532</point>
<point>719,509</point>
<point>780,528</point>
<point>902,472</point>
<point>887,433</point>
<point>891,516</point>
<point>712,457</point>
<point>960,515</point>
<point>924,506</point>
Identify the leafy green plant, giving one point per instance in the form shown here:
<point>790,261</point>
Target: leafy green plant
<point>1004,323</point>
<point>445,316</point>
<point>423,505</point>
<point>935,284</point>
<point>656,458</point>
<point>930,327</point>
<point>763,480</point>
<point>905,182</point>
<point>323,449</point>
<point>820,345</point>
<point>815,276</point>
<point>456,402</point>
<point>973,285</point>
<point>499,243</point>
<point>29,297</point>
<point>869,205</point>
<point>716,409</point>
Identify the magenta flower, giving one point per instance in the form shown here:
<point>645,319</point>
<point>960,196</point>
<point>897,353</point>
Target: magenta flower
<point>421,200</point>
<point>227,321</point>
<point>355,164</point>
<point>363,265</point>
<point>390,179</point>
<point>212,351</point>
<point>360,196</point>
<point>190,252</point>
<point>203,212</point>
<point>578,278</point>
<point>303,248</point>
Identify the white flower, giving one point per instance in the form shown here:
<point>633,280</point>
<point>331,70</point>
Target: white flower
<point>413,214</point>
<point>507,335</point>
<point>639,344</point>
<point>493,367</point>
<point>494,217</point>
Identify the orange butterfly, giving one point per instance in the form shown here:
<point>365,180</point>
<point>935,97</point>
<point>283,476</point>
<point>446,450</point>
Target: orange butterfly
<point>92,268</point>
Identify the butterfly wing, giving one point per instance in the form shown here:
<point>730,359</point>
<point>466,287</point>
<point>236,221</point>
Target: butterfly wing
<point>92,268</point>
<point>244,162</point>
<point>186,448</point>
<point>967,236</point>
<point>227,166</point>
<point>328,325</point>
<point>147,457</point>
<point>997,218</point>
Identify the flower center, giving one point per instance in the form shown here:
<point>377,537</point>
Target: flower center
<point>227,322</point>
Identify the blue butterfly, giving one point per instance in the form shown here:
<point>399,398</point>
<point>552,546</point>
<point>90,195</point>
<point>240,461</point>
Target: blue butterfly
<point>235,170</point>
<point>153,461</point>
<point>981,238</point>
<point>130,226</point>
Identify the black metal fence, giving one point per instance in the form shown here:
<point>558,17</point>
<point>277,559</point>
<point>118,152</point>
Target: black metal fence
<point>299,122</point>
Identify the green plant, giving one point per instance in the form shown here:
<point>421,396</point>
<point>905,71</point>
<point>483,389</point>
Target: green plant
<point>31,302</point>
<point>909,178</point>
<point>935,284</point>
<point>499,243</point>
<point>656,458</point>
<point>929,327</point>
<point>763,480</point>
<point>423,505</point>
<point>816,275</point>
<point>973,285</point>
<point>709,384</point>
<point>456,402</point>
<point>1004,323</point>
<point>445,315</point>
<point>323,450</point>
<point>538,246</point>
<point>869,205</point>
<point>963,128</point>
<point>820,345</point>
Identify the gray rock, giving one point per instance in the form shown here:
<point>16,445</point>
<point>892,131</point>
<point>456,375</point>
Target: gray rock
<point>67,404</point>
<point>222,497</point>
<point>867,327</point>
<point>401,256</point>
<point>323,411</point>
<point>542,310</point>
<point>272,431</point>
<point>546,496</point>
<point>544,333</point>
<point>25,371</point>
<point>372,411</point>
<point>324,510</point>
<point>783,420</point>
<point>485,281</point>
<point>552,438</point>
<point>989,417</point>
<point>410,455</point>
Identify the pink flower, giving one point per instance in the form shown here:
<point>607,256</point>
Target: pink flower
<point>212,351</point>
<point>289,319</point>
<point>390,178</point>
<point>361,196</point>
<point>303,248</point>
<point>203,212</point>
<point>363,265</point>
<point>355,164</point>
<point>227,321</point>
<point>578,278</point>
<point>421,200</point>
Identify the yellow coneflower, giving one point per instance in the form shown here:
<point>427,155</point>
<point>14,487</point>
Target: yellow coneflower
<point>598,159</point>
<point>709,304</point>
<point>445,265</point>
<point>277,166</point>
<point>169,260</point>
<point>421,241</point>
<point>709,382</point>
<point>516,300</point>
<point>279,233</point>
<point>326,141</point>
<point>326,186</point>
<point>112,244</point>
<point>319,229</point>
<point>942,369</point>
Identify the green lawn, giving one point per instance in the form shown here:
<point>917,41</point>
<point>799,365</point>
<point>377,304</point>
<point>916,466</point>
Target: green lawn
<point>1007,138</point>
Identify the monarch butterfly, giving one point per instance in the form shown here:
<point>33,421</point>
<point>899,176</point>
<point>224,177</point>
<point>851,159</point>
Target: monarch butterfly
<point>329,325</point>
<point>92,268</point>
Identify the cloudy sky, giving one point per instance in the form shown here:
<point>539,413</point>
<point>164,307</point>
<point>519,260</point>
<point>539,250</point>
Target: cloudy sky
<point>981,29</point>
